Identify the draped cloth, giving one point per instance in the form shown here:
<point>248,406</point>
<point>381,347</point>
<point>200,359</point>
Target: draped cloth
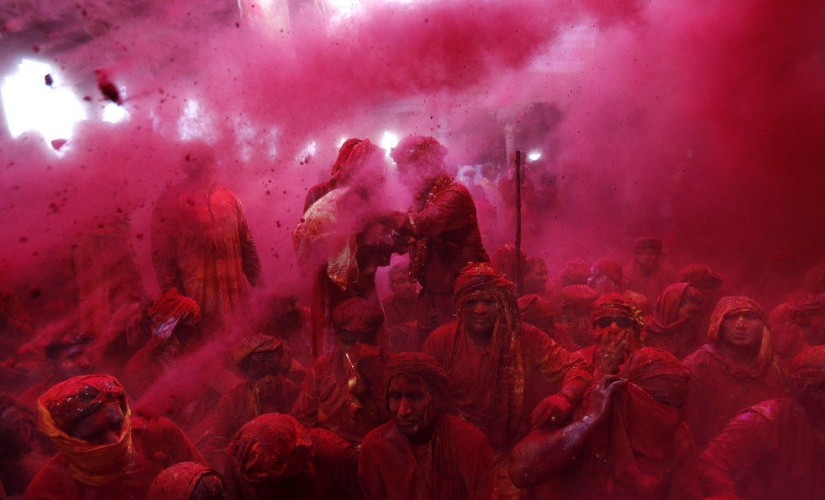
<point>505,383</point>
<point>666,328</point>
<point>721,388</point>
<point>771,450</point>
<point>648,409</point>
<point>66,404</point>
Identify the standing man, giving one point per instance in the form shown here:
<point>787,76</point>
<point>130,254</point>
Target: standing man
<point>424,453</point>
<point>201,242</point>
<point>441,227</point>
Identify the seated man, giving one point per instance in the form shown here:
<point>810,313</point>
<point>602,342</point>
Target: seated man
<point>629,441</point>
<point>273,456</point>
<point>104,452</point>
<point>500,368</point>
<point>617,329</point>
<point>774,449</point>
<point>344,390</point>
<point>273,381</point>
<point>423,453</point>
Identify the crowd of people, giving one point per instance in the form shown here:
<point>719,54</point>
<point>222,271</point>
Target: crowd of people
<point>475,378</point>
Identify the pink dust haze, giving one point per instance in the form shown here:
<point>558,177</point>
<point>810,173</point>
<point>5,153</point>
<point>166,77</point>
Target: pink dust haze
<point>698,122</point>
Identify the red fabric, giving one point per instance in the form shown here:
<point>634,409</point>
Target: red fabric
<point>347,400</point>
<point>179,481</point>
<point>273,456</point>
<point>767,452</point>
<point>358,315</point>
<point>719,390</point>
<point>666,329</point>
<point>157,443</point>
<point>389,468</point>
<point>398,311</point>
<point>446,237</point>
<point>546,368</point>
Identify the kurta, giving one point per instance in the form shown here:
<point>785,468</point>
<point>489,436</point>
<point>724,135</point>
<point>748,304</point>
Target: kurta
<point>202,245</point>
<point>389,469</point>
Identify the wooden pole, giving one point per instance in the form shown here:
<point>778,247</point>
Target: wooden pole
<point>519,270</point>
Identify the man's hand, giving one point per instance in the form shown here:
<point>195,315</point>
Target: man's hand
<point>552,411</point>
<point>599,400</point>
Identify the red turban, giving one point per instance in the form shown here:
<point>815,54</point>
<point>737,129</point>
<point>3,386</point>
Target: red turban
<point>358,315</point>
<point>419,149</point>
<point>417,363</point>
<point>610,268</point>
<point>616,304</point>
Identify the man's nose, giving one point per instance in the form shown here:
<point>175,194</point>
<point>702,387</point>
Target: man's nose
<point>404,408</point>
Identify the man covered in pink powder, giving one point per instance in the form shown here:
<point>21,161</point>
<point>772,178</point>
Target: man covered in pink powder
<point>441,227</point>
<point>201,241</point>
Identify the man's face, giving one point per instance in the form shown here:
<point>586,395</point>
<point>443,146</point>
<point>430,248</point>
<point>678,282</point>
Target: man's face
<point>536,278</point>
<point>262,363</point>
<point>742,330</point>
<point>479,314</point>
<point>412,406</point>
<point>613,326</point>
<point>101,427</point>
<point>691,304</point>
<point>404,287</point>
<point>349,338</point>
<point>647,259</point>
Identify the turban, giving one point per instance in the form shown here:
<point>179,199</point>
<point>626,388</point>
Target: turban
<point>578,297</point>
<point>63,406</point>
<point>254,344</point>
<point>643,244</point>
<point>616,304</point>
<point>808,367</point>
<point>417,363</point>
<point>699,273</point>
<point>482,277</point>
<point>535,308</point>
<point>810,308</point>
<point>338,168</point>
<point>658,373</point>
<point>169,310</point>
<point>357,315</point>
<point>261,450</point>
<point>576,271</point>
<point>419,149</point>
<point>179,481</point>
<point>610,268</point>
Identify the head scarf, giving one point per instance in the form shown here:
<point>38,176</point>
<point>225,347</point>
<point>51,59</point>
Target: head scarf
<point>666,318</point>
<point>617,304</point>
<point>420,150</point>
<point>647,411</point>
<point>732,305</point>
<point>808,368</point>
<point>260,451</point>
<point>811,307</point>
<point>171,309</point>
<point>417,363</point>
<point>339,169</point>
<point>179,481</point>
<point>357,315</point>
<point>63,406</point>
<point>505,383</point>
<point>259,343</point>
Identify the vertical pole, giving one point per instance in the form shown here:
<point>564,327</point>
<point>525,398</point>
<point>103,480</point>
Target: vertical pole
<point>519,270</point>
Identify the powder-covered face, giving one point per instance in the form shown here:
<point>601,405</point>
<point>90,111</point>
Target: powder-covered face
<point>101,427</point>
<point>479,313</point>
<point>412,406</point>
<point>742,329</point>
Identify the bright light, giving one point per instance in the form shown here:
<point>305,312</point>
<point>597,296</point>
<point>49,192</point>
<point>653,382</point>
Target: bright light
<point>195,123</point>
<point>114,113</point>
<point>389,141</point>
<point>307,153</point>
<point>534,155</point>
<point>30,104</point>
